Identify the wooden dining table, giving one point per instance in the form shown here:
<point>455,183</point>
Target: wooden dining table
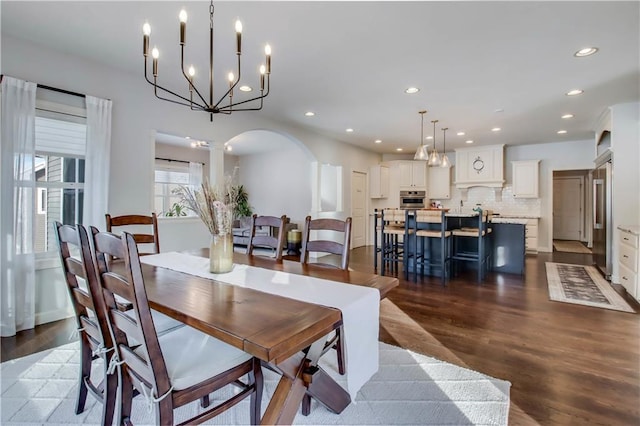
<point>286,334</point>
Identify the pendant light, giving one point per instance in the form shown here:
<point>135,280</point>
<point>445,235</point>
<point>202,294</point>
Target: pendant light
<point>445,160</point>
<point>434,157</point>
<point>422,152</point>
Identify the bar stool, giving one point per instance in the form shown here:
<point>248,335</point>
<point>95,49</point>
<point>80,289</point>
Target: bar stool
<point>392,227</point>
<point>430,226</point>
<point>471,244</point>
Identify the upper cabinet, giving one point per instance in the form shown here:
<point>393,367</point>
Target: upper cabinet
<point>525,178</point>
<point>413,175</point>
<point>439,183</point>
<point>379,181</point>
<point>481,166</point>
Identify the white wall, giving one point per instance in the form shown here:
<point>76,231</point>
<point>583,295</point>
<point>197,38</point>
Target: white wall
<point>278,183</point>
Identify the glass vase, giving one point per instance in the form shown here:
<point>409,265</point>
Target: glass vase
<point>221,253</point>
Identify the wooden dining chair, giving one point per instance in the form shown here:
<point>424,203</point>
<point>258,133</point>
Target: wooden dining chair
<point>327,246</point>
<point>133,224</point>
<point>93,330</point>
<point>273,239</point>
<point>174,369</point>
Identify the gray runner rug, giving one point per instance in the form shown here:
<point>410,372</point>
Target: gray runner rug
<point>409,388</point>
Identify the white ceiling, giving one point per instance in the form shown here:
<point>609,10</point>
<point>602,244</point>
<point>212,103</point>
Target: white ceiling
<point>350,62</point>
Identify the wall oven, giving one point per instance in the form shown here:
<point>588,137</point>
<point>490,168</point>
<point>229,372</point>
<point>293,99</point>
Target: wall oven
<point>412,199</point>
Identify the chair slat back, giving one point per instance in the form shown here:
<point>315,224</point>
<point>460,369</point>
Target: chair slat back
<point>131,223</point>
<point>429,216</point>
<point>327,246</point>
<point>274,242</point>
<point>144,362</point>
<point>87,305</point>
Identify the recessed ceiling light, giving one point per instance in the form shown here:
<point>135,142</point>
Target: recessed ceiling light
<point>349,130</point>
<point>469,141</point>
<point>411,90</point>
<point>187,137</point>
<point>575,92</point>
<point>429,137</point>
<point>460,133</point>
<point>496,129</point>
<point>229,148</point>
<point>499,110</point>
<point>398,149</point>
<point>587,51</point>
<point>567,116</point>
<point>309,113</point>
<point>378,141</point>
<point>245,88</point>
<point>562,132</point>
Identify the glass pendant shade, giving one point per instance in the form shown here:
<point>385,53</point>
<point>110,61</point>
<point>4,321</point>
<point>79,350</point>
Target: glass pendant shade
<point>434,158</point>
<point>421,153</point>
<point>444,162</point>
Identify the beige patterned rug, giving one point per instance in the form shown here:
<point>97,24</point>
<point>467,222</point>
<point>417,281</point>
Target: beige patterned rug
<point>570,246</point>
<point>582,285</point>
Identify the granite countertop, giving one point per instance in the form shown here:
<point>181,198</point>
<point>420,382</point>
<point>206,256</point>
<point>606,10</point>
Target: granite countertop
<point>519,216</point>
<point>633,229</point>
<point>461,214</point>
<point>516,220</point>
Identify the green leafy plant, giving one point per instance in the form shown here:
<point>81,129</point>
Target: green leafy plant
<point>240,198</point>
<point>176,210</point>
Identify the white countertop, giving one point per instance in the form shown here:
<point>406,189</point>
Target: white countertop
<point>633,229</point>
<point>519,216</point>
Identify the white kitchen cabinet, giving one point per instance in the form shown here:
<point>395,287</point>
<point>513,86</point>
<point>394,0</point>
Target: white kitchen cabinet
<point>413,175</point>
<point>525,178</point>
<point>482,166</point>
<point>629,259</point>
<point>531,235</point>
<point>439,183</point>
<point>379,181</point>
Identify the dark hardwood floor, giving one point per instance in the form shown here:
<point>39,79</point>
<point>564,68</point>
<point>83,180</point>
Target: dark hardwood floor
<point>568,364</point>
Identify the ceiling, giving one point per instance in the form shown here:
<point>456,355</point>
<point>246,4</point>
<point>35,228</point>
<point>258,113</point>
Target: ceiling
<point>478,65</point>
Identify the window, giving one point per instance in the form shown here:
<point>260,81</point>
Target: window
<point>59,163</point>
<point>169,176</point>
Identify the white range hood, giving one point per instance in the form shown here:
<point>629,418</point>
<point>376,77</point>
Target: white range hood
<point>481,166</point>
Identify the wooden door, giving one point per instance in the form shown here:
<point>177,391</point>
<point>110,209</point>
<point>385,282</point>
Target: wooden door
<point>358,209</point>
<point>567,208</point>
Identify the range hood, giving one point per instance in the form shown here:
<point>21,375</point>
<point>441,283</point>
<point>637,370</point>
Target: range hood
<point>481,166</point>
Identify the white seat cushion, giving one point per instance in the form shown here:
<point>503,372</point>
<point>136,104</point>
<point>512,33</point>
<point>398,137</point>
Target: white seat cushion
<point>162,323</point>
<point>192,356</point>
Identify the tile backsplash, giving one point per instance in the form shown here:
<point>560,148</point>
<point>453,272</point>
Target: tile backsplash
<point>486,198</point>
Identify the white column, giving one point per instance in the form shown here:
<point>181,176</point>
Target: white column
<point>216,164</point>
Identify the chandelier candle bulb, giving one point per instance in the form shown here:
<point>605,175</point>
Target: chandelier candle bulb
<point>146,32</point>
<point>238,36</point>
<point>262,71</point>
<point>183,25</point>
<point>155,53</point>
<point>267,52</point>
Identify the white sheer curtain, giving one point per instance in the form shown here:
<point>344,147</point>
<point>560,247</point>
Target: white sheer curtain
<point>17,215</point>
<point>97,160</point>
<point>195,174</point>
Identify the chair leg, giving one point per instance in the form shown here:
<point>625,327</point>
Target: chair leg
<point>204,401</point>
<point>164,413</point>
<point>85,374</point>
<point>256,397</point>
<point>110,394</point>
<point>126,398</point>
<point>340,349</point>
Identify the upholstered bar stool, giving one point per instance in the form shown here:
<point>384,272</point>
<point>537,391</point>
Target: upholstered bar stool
<point>393,239</point>
<point>430,227</point>
<point>470,244</point>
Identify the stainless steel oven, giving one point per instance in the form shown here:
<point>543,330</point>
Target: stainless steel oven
<point>412,199</point>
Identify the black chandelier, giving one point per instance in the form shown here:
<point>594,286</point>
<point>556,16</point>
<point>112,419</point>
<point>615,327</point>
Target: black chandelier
<point>200,104</point>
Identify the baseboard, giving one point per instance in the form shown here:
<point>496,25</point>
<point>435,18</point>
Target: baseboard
<point>50,316</point>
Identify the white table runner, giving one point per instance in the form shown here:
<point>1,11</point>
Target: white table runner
<point>360,306</point>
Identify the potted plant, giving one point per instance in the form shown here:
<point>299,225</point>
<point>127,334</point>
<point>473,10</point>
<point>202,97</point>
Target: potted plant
<point>241,202</point>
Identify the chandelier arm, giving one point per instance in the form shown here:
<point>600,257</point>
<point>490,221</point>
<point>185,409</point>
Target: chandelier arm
<point>228,107</point>
<point>157,86</point>
<point>230,89</point>
<point>187,77</point>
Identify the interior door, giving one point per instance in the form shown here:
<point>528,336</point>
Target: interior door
<point>568,208</point>
<point>358,209</point>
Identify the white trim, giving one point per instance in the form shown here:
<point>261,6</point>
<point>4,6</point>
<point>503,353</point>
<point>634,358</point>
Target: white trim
<point>55,315</point>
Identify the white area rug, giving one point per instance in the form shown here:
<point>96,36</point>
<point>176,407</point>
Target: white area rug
<point>409,388</point>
